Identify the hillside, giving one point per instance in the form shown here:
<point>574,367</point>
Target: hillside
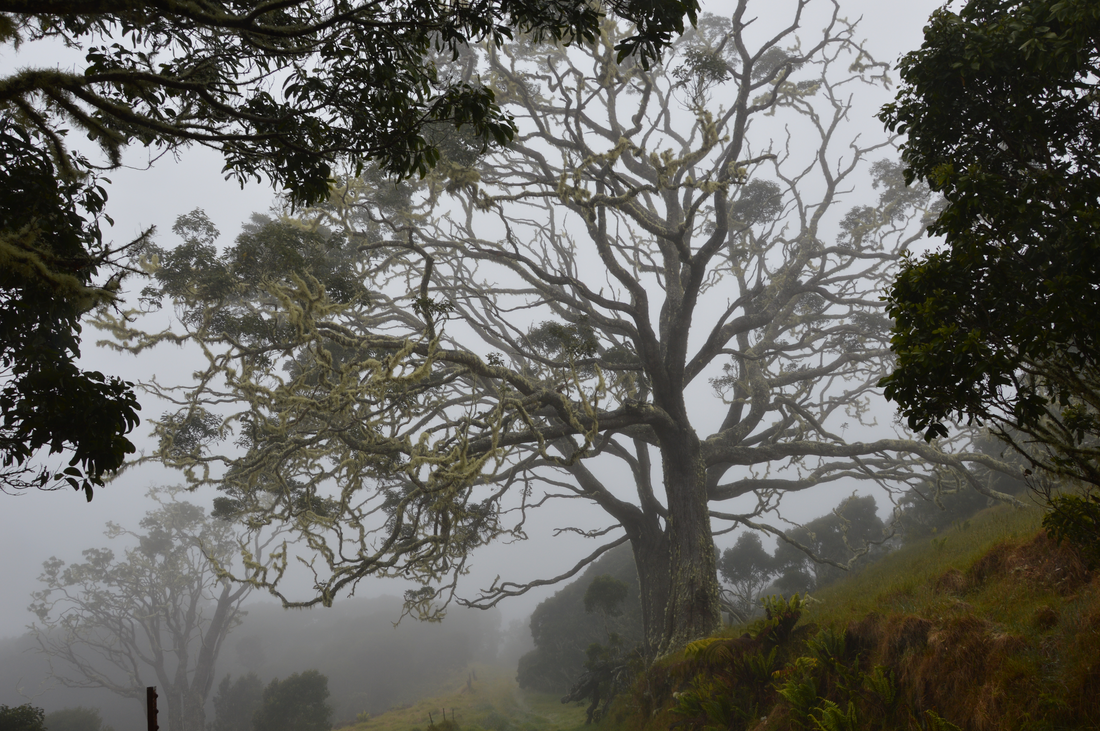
<point>988,626</point>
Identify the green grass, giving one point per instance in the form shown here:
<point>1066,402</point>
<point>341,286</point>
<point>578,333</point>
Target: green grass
<point>989,625</point>
<point>904,579</point>
<point>493,702</point>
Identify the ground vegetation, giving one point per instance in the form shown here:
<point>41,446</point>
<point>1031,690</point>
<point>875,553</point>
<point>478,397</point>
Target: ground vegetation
<point>980,628</point>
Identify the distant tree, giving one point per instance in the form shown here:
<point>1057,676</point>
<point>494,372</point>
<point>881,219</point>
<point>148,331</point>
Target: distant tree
<point>814,554</point>
<point>564,628</point>
<point>157,615</point>
<point>746,569</point>
<point>75,719</point>
<point>298,703</point>
<point>999,107</point>
<point>944,499</point>
<point>236,702</point>
<point>22,718</point>
<point>52,262</point>
<point>605,595</point>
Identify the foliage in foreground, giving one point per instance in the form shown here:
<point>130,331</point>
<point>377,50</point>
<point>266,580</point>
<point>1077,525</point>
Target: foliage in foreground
<point>51,251</point>
<point>358,79</point>
<point>999,106</point>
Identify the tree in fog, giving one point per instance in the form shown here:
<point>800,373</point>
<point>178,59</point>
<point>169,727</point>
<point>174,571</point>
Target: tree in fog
<point>746,569</point>
<point>526,323</point>
<point>156,615</point>
<point>236,702</point>
<point>562,627</point>
<point>814,554</point>
<point>297,703</point>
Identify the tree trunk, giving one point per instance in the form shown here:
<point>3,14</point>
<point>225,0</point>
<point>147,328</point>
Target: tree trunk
<point>692,608</point>
<point>194,715</point>
<point>651,558</point>
<point>170,710</point>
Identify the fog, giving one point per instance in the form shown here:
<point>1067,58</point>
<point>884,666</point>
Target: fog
<point>38,525</point>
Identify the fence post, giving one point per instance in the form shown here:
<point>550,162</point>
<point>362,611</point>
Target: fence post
<point>151,707</point>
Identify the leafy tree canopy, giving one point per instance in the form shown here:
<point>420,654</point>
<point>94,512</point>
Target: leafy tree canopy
<point>1000,107</point>
<point>297,703</point>
<point>51,250</point>
<point>288,88</point>
<point>236,702</point>
<point>605,595</point>
<point>22,718</point>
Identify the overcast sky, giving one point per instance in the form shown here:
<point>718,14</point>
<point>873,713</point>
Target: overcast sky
<point>35,526</point>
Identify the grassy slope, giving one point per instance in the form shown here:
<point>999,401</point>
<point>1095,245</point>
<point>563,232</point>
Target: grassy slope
<point>989,626</point>
<point>492,702</point>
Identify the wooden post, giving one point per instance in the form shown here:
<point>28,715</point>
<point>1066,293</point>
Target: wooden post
<point>151,707</point>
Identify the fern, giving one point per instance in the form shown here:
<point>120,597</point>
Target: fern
<point>760,667</point>
<point>694,648</point>
<point>831,718</point>
<point>828,647</point>
<point>937,723</point>
<point>800,689</point>
<point>881,685</point>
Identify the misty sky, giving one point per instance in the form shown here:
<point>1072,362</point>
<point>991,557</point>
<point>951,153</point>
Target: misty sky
<point>37,525</point>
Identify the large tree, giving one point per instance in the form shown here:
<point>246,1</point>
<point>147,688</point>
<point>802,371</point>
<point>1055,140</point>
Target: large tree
<point>286,88</point>
<point>1000,107</point>
<point>541,324</point>
<point>157,615</point>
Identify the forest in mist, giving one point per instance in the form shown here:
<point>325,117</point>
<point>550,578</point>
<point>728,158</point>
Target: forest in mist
<point>744,351</point>
<point>370,664</point>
